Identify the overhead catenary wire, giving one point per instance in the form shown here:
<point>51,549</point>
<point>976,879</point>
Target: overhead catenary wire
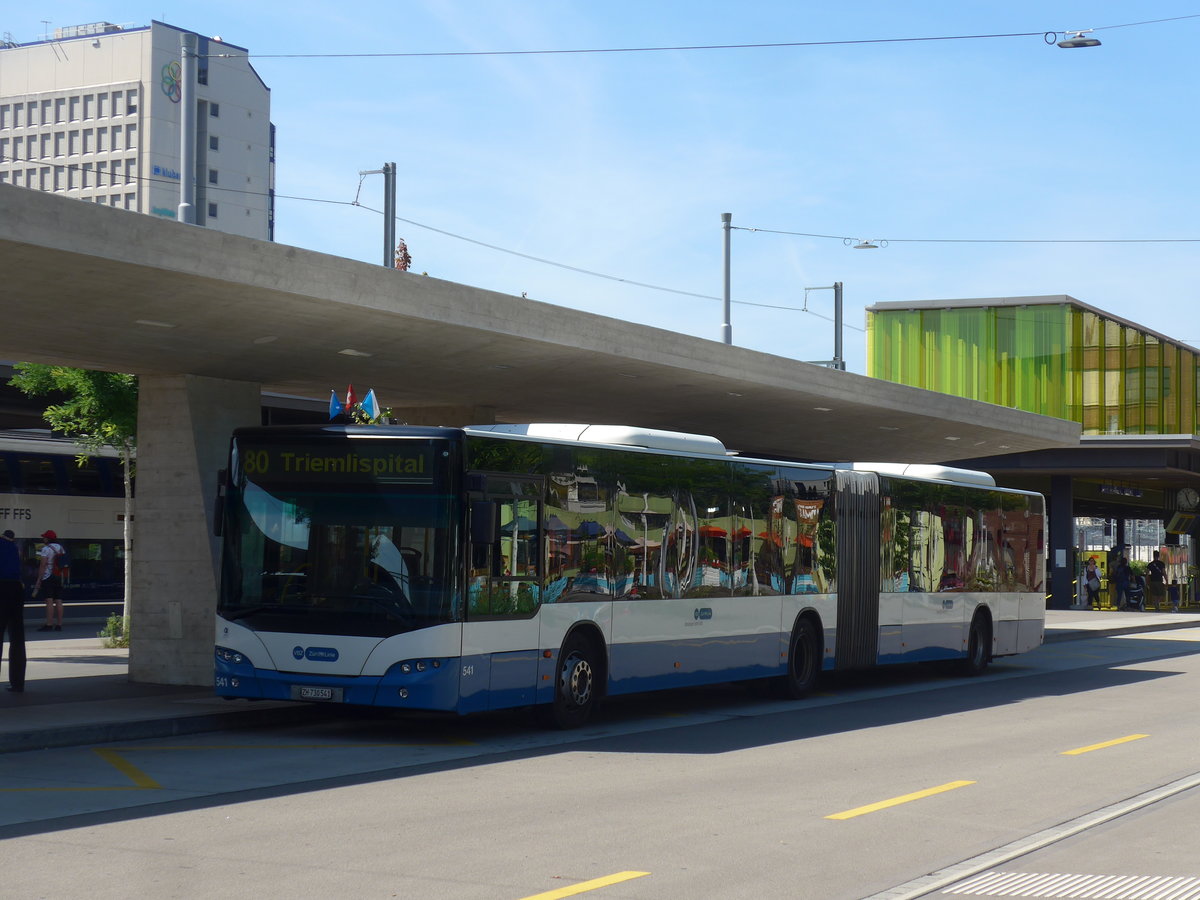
<point>765,45</point>
<point>892,240</point>
<point>123,181</point>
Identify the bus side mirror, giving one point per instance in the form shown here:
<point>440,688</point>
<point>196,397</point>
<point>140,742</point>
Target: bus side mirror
<point>218,525</point>
<point>483,522</point>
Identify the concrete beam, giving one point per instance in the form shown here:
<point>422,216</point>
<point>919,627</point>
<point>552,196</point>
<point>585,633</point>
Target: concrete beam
<point>108,289</point>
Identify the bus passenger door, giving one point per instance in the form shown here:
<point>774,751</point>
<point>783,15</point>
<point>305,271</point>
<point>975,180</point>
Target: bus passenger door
<point>500,635</point>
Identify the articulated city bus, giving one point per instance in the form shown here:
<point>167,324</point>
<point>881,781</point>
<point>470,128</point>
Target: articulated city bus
<point>501,566</point>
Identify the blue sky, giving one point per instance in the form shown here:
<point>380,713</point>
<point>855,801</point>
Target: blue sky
<point>622,163</point>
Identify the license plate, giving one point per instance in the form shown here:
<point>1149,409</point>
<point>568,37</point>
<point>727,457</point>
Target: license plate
<point>308,692</point>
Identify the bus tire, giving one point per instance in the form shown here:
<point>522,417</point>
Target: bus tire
<point>576,685</point>
<point>979,645</point>
<point>804,661</point>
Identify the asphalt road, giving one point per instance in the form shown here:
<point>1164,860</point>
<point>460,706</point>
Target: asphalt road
<point>1079,759</point>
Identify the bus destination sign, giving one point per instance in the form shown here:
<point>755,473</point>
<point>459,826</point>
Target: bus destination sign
<point>366,461</point>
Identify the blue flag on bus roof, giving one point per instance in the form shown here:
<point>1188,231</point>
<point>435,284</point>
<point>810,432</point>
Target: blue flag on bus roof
<point>370,405</point>
<point>335,406</point>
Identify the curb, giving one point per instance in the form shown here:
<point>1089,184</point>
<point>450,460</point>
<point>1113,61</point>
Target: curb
<point>1082,634</point>
<point>139,729</point>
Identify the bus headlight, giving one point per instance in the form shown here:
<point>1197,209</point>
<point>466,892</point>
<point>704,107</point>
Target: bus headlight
<point>233,657</point>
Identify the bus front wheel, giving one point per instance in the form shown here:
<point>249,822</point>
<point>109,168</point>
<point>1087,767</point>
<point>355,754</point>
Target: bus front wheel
<point>575,688</point>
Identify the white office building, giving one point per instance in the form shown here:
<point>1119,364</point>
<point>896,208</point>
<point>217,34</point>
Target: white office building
<point>94,113</point>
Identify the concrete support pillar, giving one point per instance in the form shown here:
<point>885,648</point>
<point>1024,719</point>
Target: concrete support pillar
<point>184,425</point>
<point>1062,542</point>
<point>449,416</point>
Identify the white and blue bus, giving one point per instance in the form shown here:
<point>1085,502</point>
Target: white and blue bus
<point>491,567</point>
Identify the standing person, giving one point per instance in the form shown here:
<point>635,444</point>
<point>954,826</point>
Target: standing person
<point>49,580</point>
<point>12,611</point>
<point>1156,580</point>
<point>1091,581</point>
<point>1120,582</point>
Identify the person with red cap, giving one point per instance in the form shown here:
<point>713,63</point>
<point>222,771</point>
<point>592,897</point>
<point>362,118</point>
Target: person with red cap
<point>50,580</point>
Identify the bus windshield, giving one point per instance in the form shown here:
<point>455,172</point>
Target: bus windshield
<point>346,537</point>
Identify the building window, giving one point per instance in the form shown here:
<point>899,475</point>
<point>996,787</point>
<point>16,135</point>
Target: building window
<point>214,110</point>
<point>131,99</point>
<point>213,142</point>
<point>212,210</point>
<point>212,176</point>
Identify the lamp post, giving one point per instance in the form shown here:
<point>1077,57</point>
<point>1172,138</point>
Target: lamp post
<point>389,211</point>
<point>186,211</point>
<point>727,325</point>
<point>838,361</point>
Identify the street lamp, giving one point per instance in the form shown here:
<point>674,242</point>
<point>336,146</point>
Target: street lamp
<point>1073,39</point>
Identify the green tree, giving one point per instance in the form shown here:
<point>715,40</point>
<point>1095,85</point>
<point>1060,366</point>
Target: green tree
<point>98,409</point>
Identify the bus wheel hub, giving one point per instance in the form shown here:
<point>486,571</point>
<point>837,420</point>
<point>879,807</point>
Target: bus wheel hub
<point>577,681</point>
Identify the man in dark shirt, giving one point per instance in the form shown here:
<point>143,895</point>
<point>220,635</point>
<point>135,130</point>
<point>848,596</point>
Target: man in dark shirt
<point>12,611</point>
<point>1156,581</point>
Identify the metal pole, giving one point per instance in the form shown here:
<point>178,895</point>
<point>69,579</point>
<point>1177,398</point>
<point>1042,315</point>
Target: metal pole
<point>389,215</point>
<point>727,325</point>
<point>838,361</point>
<point>187,129</point>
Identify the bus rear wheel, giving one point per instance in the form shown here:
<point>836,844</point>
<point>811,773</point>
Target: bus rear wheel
<point>804,662</point>
<point>979,641</point>
<point>575,687</point>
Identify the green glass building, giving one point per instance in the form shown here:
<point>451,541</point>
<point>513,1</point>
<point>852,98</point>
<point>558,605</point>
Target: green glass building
<point>1051,355</point>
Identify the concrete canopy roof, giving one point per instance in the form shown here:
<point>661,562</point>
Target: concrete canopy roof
<point>90,286</point>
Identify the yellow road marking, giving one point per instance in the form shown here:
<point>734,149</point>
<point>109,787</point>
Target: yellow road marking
<point>585,886</point>
<point>143,782</point>
<point>896,801</point>
<point>130,771</point>
<point>1101,746</point>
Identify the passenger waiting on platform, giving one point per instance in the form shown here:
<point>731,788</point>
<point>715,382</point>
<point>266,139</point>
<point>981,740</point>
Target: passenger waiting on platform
<point>1120,582</point>
<point>1091,581</point>
<point>12,611</point>
<point>1156,581</point>
<point>50,580</point>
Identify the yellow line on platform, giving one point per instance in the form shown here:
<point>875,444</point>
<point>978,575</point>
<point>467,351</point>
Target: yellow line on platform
<point>130,771</point>
<point>1101,746</point>
<point>585,886</point>
<point>896,801</point>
